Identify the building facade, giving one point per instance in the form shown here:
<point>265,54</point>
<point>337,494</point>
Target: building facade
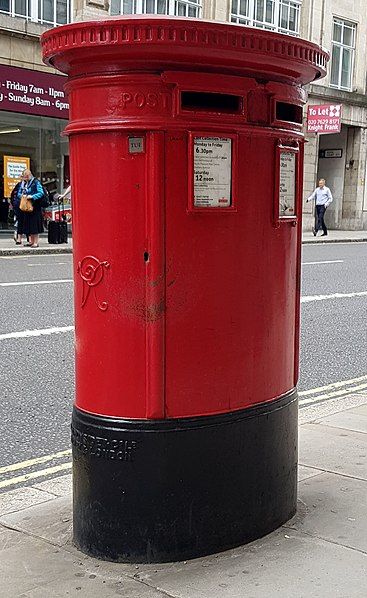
<point>335,24</point>
<point>33,106</point>
<point>340,27</point>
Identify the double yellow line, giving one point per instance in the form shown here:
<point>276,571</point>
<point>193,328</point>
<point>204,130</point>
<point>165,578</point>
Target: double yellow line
<point>33,475</point>
<point>306,398</point>
<point>332,391</point>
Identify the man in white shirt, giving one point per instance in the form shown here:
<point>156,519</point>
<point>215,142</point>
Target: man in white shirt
<point>323,197</point>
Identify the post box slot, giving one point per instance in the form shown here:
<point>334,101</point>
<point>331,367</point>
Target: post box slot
<point>211,102</point>
<point>288,112</point>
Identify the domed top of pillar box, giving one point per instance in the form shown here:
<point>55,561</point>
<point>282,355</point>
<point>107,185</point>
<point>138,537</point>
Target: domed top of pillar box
<point>155,43</point>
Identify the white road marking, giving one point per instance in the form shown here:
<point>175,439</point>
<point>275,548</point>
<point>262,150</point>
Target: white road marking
<point>35,474</point>
<point>52,264</point>
<point>35,282</point>
<point>30,256</point>
<point>15,257</point>
<point>310,298</point>
<point>57,330</point>
<point>324,262</point>
<point>41,332</point>
<point>35,461</point>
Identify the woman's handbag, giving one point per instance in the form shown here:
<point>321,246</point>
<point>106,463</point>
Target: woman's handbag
<point>26,204</point>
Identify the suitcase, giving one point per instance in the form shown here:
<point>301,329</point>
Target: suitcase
<point>53,232</point>
<point>58,230</point>
<point>63,232</point>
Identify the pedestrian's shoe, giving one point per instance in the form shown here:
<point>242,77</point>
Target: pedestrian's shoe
<point>324,234</point>
<point>314,232</point>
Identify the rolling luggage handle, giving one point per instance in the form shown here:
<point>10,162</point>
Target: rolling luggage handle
<point>63,226</point>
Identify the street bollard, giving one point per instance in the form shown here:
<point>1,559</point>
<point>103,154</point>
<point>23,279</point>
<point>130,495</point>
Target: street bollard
<point>186,152</point>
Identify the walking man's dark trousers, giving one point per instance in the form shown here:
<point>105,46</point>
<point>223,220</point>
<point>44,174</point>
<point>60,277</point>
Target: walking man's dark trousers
<point>320,222</point>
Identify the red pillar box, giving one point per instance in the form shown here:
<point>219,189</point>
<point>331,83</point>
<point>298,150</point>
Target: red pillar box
<point>186,153</point>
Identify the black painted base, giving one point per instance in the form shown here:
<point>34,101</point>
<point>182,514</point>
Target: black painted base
<point>170,490</point>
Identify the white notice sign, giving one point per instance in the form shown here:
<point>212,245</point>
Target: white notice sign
<point>212,172</point>
<point>287,184</point>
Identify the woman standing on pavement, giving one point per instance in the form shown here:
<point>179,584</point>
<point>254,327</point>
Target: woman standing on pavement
<point>30,223</point>
<point>15,201</point>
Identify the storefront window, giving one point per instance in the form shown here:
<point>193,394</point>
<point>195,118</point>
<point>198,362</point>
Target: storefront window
<point>33,113</point>
<point>39,140</point>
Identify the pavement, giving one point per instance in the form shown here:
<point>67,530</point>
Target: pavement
<point>335,236</point>
<point>8,247</point>
<point>320,553</point>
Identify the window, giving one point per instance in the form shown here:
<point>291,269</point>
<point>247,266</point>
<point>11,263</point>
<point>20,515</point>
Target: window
<point>179,8</point>
<point>49,12</point>
<point>342,54</point>
<point>39,139</point>
<point>289,16</point>
<point>241,12</point>
<point>276,15</point>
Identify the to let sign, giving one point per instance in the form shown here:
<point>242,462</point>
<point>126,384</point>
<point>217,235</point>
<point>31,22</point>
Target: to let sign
<point>324,118</point>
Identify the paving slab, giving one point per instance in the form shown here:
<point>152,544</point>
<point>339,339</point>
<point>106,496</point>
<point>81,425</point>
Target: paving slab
<point>332,449</point>
<point>34,569</point>
<point>336,510</point>
<point>353,419</point>
<point>320,553</point>
<point>286,563</point>
<point>90,585</point>
<point>29,564</point>
<point>307,472</point>
<point>8,247</point>
<point>22,498</point>
<point>335,236</point>
<point>59,486</point>
<point>50,521</point>
<point>9,538</point>
<point>312,413</point>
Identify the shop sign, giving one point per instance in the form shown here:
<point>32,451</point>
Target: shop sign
<point>330,153</point>
<point>13,168</point>
<point>325,118</point>
<point>212,172</point>
<point>32,92</point>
